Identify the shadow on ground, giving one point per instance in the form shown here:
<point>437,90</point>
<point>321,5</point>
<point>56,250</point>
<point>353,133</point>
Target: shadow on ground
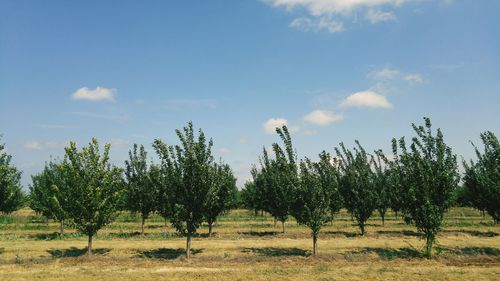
<point>343,233</point>
<point>473,233</point>
<point>276,252</point>
<point>258,233</point>
<point>166,253</point>
<point>389,253</point>
<point>76,252</point>
<point>473,251</point>
<point>397,233</point>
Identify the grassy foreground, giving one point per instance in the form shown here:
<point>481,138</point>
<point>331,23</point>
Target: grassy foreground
<point>248,247</point>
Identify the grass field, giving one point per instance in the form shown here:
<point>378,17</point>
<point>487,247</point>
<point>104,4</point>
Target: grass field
<point>248,247</point>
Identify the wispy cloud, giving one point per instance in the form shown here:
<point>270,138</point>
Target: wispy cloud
<point>272,123</point>
<point>414,78</point>
<point>190,104</point>
<point>43,145</point>
<point>330,15</point>
<point>317,24</point>
<point>53,126</point>
<point>97,94</point>
<point>322,117</point>
<point>376,16</point>
<point>100,116</point>
<point>366,99</point>
<point>385,73</point>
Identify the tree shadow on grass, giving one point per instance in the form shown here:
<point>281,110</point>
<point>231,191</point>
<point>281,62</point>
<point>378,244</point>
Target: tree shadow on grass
<point>276,252</point>
<point>403,232</point>
<point>76,252</point>
<point>343,233</point>
<point>166,253</point>
<point>391,254</point>
<point>258,233</point>
<point>474,251</point>
<point>474,233</point>
<point>46,236</point>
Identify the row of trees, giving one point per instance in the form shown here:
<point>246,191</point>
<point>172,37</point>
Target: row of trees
<point>187,188</point>
<point>418,180</point>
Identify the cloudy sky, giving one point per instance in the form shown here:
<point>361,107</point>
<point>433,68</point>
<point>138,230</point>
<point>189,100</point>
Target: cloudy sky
<point>332,70</point>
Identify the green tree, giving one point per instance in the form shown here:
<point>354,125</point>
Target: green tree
<point>11,195</point>
<point>93,186</point>
<point>312,204</point>
<point>357,184</point>
<point>187,176</point>
<point>429,175</point>
<point>279,177</point>
<point>381,182</point>
<point>47,194</point>
<point>140,188</point>
<point>221,196</point>
<point>482,178</point>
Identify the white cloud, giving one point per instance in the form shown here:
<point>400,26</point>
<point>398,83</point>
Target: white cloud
<point>414,78</point>
<point>100,116</point>
<point>317,24</point>
<point>273,123</point>
<point>322,117</point>
<point>97,94</point>
<point>119,142</point>
<point>52,126</point>
<point>224,151</point>
<point>385,74</point>
<point>366,99</point>
<point>190,104</point>
<point>243,140</point>
<point>308,132</point>
<point>376,16</point>
<point>38,145</point>
<point>329,7</point>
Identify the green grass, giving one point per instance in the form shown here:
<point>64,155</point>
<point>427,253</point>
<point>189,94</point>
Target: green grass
<point>249,247</point>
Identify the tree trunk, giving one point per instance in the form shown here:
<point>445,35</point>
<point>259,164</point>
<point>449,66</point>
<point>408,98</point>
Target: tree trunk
<point>188,245</point>
<point>383,219</point>
<point>89,247</point>
<point>283,225</point>
<point>61,232</point>
<point>362,228</point>
<point>142,225</point>
<point>256,212</point>
<point>429,240</point>
<point>315,245</point>
<point>210,229</point>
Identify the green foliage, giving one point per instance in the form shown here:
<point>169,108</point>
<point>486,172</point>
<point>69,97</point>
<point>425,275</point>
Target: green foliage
<point>314,195</point>
<point>187,178</point>
<point>427,175</point>
<point>47,193</point>
<point>140,189</point>
<point>482,179</point>
<point>357,183</point>
<point>381,181</point>
<point>278,177</point>
<point>221,195</point>
<point>11,195</point>
<point>93,186</point>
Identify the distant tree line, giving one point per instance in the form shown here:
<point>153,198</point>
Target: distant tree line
<point>419,180</point>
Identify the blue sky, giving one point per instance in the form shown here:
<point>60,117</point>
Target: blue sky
<point>333,70</point>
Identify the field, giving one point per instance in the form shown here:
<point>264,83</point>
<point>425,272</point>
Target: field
<point>249,247</point>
